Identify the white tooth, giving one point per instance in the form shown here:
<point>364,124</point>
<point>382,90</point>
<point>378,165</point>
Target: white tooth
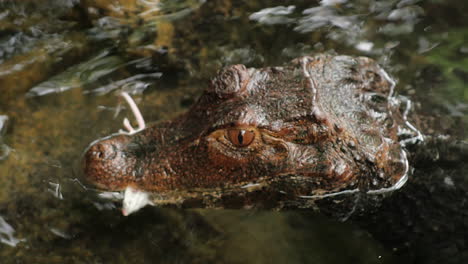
<point>134,200</point>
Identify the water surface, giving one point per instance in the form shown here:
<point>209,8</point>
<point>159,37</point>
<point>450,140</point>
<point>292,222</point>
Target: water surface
<point>64,62</point>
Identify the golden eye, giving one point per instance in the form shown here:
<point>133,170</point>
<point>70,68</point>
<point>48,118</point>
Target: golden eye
<point>240,137</point>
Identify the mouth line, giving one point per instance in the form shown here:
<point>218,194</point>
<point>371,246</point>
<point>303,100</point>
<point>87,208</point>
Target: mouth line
<point>178,197</point>
<point>208,195</point>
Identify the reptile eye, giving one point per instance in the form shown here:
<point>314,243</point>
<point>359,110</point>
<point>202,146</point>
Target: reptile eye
<point>240,137</point>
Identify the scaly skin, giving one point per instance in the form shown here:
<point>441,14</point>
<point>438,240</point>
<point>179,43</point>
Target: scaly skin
<point>321,126</point>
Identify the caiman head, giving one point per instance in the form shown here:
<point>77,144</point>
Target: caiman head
<point>272,137</point>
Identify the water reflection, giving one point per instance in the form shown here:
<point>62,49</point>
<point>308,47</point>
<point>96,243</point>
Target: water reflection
<point>349,22</point>
<point>4,149</point>
<point>274,15</point>
<point>317,17</point>
<point>311,19</point>
<point>91,72</point>
<point>7,234</point>
<point>55,190</point>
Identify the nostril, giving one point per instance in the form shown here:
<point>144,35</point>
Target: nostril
<point>98,154</point>
<point>103,151</point>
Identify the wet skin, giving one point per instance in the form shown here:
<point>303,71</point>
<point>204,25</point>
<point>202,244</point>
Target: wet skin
<point>271,137</point>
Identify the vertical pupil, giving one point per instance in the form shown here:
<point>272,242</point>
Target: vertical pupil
<point>240,137</point>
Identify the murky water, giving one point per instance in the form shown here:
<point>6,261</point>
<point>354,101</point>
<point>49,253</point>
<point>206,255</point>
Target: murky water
<point>63,62</point>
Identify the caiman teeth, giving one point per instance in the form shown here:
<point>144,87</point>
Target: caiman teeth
<point>134,200</point>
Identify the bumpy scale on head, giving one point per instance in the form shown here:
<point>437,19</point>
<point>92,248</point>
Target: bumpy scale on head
<point>317,126</point>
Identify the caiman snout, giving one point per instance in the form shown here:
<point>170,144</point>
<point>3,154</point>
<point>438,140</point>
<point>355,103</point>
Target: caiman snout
<point>106,163</point>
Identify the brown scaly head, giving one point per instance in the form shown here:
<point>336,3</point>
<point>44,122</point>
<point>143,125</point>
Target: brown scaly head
<point>271,137</point>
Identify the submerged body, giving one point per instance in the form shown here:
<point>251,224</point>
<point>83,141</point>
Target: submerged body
<point>276,137</point>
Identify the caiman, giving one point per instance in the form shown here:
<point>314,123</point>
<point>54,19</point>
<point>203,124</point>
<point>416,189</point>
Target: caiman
<point>320,128</point>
